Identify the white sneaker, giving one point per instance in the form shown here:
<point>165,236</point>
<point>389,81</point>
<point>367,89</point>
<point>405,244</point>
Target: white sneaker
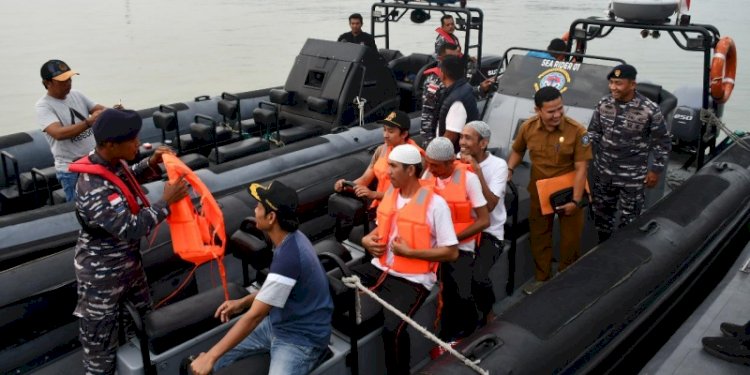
<point>532,287</point>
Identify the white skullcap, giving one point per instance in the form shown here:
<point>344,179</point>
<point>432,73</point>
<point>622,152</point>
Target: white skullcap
<point>405,154</point>
<point>441,149</point>
<point>481,128</point>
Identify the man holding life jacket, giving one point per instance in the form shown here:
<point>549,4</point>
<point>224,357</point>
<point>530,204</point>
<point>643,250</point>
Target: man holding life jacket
<point>558,145</point>
<point>115,215</point>
<point>626,127</point>
<point>458,105</point>
<point>414,234</point>
<point>492,172</point>
<point>462,190</point>
<point>395,132</point>
<point>290,317</point>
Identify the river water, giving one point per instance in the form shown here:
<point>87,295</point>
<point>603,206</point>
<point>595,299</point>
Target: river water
<point>147,52</point>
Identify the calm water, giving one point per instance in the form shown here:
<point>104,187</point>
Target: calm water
<point>152,52</point>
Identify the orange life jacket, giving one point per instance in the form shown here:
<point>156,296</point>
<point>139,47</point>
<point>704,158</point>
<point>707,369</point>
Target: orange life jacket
<point>380,169</point>
<point>85,165</point>
<point>457,197</point>
<point>197,237</point>
<point>413,228</point>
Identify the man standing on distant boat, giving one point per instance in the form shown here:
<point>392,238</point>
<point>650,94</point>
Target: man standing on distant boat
<point>626,127</point>
<point>558,145</point>
<point>114,215</point>
<point>358,36</point>
<point>445,34</point>
<point>458,105</point>
<point>65,116</point>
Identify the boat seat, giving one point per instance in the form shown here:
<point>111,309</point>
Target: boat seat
<point>45,174</point>
<point>297,133</point>
<point>195,161</point>
<point>236,150</point>
<point>666,100</point>
<point>390,54</point>
<point>174,324</point>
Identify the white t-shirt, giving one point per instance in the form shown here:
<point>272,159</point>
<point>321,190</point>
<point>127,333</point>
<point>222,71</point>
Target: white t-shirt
<point>439,219</point>
<point>67,112</point>
<point>474,191</point>
<point>456,117</point>
<point>495,172</point>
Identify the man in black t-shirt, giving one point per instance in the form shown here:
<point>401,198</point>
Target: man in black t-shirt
<point>357,35</point>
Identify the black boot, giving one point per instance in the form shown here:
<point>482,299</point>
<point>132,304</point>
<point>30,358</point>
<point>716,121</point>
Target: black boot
<point>731,349</point>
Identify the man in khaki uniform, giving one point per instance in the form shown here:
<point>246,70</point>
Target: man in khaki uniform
<point>558,145</point>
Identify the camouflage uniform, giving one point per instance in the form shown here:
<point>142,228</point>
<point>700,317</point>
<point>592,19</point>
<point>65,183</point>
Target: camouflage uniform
<point>624,134</point>
<point>431,97</point>
<point>108,264</point>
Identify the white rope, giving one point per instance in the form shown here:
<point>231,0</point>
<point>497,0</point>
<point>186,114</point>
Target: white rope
<point>354,282</point>
<point>708,116</point>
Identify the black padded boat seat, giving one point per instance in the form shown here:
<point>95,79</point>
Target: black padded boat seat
<point>48,174</point>
<point>265,119</point>
<point>666,100</point>
<point>236,150</point>
<point>297,133</point>
<point>249,126</point>
<point>195,161</point>
<point>204,134</point>
<point>181,321</point>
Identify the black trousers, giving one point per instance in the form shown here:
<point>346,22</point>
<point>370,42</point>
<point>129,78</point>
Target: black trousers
<point>405,296</point>
<point>488,252</point>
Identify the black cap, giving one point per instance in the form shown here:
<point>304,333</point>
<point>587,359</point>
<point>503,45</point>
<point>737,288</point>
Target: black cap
<point>276,197</point>
<point>57,70</point>
<point>398,119</point>
<point>623,71</point>
<point>117,125</point>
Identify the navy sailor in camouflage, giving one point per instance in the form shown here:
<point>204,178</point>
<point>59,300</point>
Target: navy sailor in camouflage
<point>626,127</point>
<point>108,264</point>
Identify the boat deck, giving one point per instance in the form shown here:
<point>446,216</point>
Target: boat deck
<point>729,302</point>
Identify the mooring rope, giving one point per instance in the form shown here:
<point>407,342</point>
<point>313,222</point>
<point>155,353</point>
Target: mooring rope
<point>354,283</point>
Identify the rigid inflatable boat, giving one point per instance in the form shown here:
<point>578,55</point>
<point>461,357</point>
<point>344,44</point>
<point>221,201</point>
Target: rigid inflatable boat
<point>581,321</point>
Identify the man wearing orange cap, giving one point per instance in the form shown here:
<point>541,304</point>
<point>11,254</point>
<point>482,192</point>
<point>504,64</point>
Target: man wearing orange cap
<point>65,116</point>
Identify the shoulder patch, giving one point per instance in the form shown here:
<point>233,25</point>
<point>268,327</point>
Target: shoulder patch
<point>585,139</point>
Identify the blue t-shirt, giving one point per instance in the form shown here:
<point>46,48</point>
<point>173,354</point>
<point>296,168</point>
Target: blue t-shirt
<point>297,288</point>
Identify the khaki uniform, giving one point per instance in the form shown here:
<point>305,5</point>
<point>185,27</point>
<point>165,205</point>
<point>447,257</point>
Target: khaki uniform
<point>552,154</point>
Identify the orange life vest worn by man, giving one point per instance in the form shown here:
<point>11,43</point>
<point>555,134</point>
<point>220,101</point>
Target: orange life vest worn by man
<point>414,233</point>
<point>395,132</point>
<point>462,189</point>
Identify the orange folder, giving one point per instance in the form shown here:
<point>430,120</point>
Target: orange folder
<point>549,186</point>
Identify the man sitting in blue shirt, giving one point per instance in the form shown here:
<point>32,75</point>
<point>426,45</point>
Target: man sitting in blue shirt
<point>290,316</point>
<point>555,45</point>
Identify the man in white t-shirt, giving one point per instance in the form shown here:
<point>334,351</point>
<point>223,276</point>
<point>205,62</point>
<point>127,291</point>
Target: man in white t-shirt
<point>404,264</point>
<point>65,116</point>
<point>493,175</point>
<point>462,190</point>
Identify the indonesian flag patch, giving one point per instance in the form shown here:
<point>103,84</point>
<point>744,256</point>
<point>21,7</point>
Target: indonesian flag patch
<point>114,199</point>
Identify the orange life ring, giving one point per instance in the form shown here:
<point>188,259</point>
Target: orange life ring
<point>723,69</point>
<point>197,236</point>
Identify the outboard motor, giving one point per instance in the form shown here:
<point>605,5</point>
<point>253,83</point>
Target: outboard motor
<point>686,125</point>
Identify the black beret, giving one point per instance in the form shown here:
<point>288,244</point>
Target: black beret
<point>623,71</point>
<point>117,125</point>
